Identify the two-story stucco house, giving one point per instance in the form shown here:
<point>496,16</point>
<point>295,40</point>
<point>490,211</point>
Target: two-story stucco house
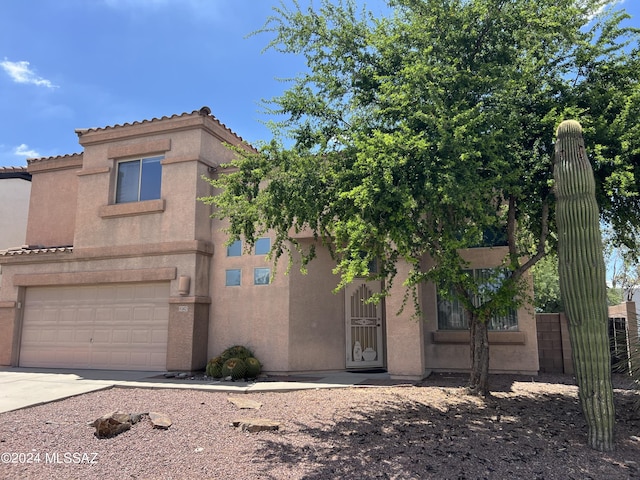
<point>125,269</point>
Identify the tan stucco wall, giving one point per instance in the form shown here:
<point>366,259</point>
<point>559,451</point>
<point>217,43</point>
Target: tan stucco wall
<point>406,356</point>
<point>256,316</point>
<point>54,194</point>
<point>316,316</point>
<point>513,352</point>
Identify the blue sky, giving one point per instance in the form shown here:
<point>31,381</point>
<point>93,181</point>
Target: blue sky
<point>68,64</point>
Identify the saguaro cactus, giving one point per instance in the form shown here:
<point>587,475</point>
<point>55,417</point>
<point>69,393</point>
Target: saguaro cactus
<point>582,282</point>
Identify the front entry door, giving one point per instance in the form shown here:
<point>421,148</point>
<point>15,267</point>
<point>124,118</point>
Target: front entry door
<point>363,326</point>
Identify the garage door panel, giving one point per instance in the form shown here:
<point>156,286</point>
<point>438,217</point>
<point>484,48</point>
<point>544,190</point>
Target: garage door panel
<point>110,326</point>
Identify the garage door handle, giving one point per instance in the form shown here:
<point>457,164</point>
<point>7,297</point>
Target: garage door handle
<point>91,340</point>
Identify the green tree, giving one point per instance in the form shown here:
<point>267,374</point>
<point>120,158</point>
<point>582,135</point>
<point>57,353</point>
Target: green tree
<point>546,285</point>
<point>429,130</point>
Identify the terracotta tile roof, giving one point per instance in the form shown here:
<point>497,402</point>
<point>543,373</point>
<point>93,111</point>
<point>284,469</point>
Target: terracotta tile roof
<point>204,112</point>
<point>31,161</point>
<point>34,250</point>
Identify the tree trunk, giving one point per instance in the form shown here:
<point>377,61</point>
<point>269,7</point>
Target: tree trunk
<point>479,343</point>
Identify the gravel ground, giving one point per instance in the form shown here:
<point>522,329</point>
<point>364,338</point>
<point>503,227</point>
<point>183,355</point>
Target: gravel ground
<point>529,428</point>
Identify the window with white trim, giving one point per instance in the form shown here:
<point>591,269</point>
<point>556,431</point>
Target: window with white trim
<point>139,180</point>
<point>453,316</point>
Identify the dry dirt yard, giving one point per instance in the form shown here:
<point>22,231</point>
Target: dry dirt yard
<point>530,428</point>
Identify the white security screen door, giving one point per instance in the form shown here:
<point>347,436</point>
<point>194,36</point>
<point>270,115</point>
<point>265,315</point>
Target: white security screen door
<point>364,328</point>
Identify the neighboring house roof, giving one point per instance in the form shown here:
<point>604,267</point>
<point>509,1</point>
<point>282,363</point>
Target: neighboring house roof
<point>204,112</point>
<point>15,172</point>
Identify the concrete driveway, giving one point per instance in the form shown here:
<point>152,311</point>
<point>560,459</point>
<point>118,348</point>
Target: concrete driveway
<point>26,387</point>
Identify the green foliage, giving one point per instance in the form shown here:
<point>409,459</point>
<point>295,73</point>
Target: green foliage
<point>413,134</point>
<point>234,368</point>
<point>582,282</point>
<point>546,285</point>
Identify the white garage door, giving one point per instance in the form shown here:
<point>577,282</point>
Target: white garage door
<point>116,327</point>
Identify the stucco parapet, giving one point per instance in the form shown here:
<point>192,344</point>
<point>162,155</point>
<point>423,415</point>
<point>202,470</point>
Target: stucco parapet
<point>198,118</point>
<point>191,299</point>
<point>95,277</point>
<point>63,162</point>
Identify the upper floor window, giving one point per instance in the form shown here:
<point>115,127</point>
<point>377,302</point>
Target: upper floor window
<point>139,180</point>
<point>263,245</point>
<point>235,249</point>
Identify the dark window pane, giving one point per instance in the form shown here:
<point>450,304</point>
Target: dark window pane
<point>128,181</point>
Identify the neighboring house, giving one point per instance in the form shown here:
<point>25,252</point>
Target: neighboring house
<point>15,189</point>
<point>125,269</point>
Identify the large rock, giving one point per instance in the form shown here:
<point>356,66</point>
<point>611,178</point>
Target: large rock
<point>160,420</point>
<point>112,424</point>
<point>253,425</point>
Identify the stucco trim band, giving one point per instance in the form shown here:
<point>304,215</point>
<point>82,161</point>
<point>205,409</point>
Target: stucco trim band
<point>89,278</point>
<point>185,300</point>
<point>93,171</point>
<point>8,304</point>
<point>140,148</point>
<point>495,338</point>
<point>132,208</point>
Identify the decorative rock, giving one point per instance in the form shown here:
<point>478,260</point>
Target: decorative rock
<point>253,425</point>
<point>160,420</point>
<point>112,424</point>
<point>244,403</point>
<point>170,375</point>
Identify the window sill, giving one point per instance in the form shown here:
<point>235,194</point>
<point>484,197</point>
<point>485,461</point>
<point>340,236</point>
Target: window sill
<point>132,208</point>
<point>462,337</point>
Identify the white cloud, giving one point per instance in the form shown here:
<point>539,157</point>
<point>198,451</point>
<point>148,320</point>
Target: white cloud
<point>24,151</point>
<point>20,72</point>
